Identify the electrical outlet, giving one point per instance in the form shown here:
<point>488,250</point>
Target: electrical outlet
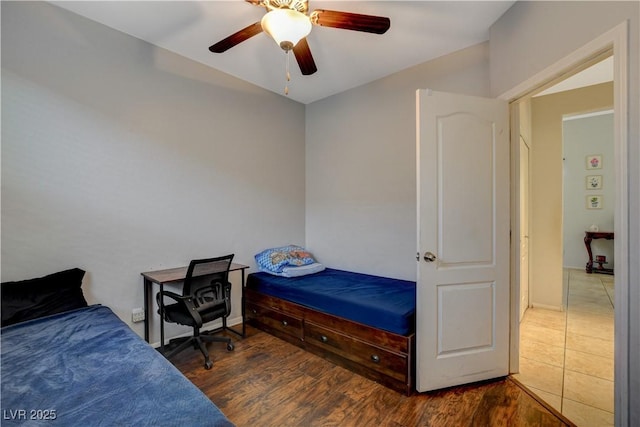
<point>137,315</point>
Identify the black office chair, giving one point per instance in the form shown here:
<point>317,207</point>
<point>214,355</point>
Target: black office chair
<point>206,296</point>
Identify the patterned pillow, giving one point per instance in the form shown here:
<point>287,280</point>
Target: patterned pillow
<point>275,260</point>
<point>303,270</point>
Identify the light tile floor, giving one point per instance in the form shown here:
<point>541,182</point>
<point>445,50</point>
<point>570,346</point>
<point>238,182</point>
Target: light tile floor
<point>566,358</point>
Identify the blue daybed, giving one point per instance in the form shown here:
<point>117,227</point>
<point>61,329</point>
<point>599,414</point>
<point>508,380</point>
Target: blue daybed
<point>362,322</point>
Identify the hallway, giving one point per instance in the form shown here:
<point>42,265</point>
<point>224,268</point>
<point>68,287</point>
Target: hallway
<point>566,358</point>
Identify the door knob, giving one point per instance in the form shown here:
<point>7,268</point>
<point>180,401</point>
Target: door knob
<point>429,257</point>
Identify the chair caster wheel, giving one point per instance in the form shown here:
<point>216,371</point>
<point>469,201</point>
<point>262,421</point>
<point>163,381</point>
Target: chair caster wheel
<point>208,364</point>
<point>230,347</point>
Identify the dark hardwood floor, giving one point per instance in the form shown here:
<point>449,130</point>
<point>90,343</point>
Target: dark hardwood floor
<point>269,382</point>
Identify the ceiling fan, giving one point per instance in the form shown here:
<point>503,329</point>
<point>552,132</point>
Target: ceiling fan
<point>289,22</point>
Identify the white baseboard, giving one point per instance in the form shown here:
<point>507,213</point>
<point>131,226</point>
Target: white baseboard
<point>547,307</point>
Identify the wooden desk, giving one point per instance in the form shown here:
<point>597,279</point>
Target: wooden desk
<point>175,275</point>
<point>588,237</point>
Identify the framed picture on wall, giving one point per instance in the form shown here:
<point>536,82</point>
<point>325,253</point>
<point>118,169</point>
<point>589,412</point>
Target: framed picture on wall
<point>594,161</point>
<point>594,202</point>
<point>594,182</point>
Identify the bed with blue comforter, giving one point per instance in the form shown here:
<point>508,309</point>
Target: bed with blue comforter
<point>64,363</point>
<point>362,322</point>
<point>380,302</point>
<point>86,367</point>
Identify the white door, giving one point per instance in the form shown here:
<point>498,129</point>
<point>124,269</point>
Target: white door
<point>462,319</point>
<point>524,227</point>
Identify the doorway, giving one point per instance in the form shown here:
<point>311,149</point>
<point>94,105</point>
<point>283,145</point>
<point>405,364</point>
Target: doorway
<point>614,41</point>
<point>566,337</point>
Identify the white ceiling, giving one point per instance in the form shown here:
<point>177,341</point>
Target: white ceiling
<point>600,72</point>
<point>420,31</point>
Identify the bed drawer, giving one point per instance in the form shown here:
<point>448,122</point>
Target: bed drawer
<point>379,355</point>
<point>372,357</point>
<point>273,303</point>
<point>274,320</point>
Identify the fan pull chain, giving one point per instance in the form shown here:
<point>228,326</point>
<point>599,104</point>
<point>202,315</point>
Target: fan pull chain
<point>288,75</point>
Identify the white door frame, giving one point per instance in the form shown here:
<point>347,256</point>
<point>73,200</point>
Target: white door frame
<point>615,39</point>
<point>523,205</point>
<point>514,275</point>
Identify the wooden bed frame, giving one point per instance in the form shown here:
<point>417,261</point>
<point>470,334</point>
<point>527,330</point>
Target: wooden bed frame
<point>381,356</point>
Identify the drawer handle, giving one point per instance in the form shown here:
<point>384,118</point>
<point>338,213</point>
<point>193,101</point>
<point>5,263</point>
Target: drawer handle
<point>375,358</point>
<point>284,323</point>
<point>254,311</point>
<point>323,338</point>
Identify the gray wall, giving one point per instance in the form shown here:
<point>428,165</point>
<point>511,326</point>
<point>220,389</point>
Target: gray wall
<point>584,136</point>
<point>116,154</point>
<point>119,157</point>
<point>361,165</point>
<point>531,36</point>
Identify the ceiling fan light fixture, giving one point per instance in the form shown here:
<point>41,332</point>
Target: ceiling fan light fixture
<point>287,27</point>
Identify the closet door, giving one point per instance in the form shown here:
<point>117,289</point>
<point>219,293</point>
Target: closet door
<point>463,239</point>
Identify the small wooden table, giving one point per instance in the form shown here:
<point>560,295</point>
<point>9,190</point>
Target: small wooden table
<point>175,275</point>
<point>588,237</point>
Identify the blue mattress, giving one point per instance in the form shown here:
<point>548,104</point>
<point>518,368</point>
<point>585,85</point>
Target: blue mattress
<point>87,368</point>
<point>388,304</point>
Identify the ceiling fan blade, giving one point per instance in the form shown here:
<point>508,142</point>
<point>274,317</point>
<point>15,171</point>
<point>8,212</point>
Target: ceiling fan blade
<point>236,38</point>
<point>350,21</point>
<point>305,59</point>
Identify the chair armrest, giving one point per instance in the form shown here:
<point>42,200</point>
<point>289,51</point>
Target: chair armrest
<point>226,290</point>
<point>227,297</point>
<point>172,295</point>
<point>176,297</point>
<point>185,300</point>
